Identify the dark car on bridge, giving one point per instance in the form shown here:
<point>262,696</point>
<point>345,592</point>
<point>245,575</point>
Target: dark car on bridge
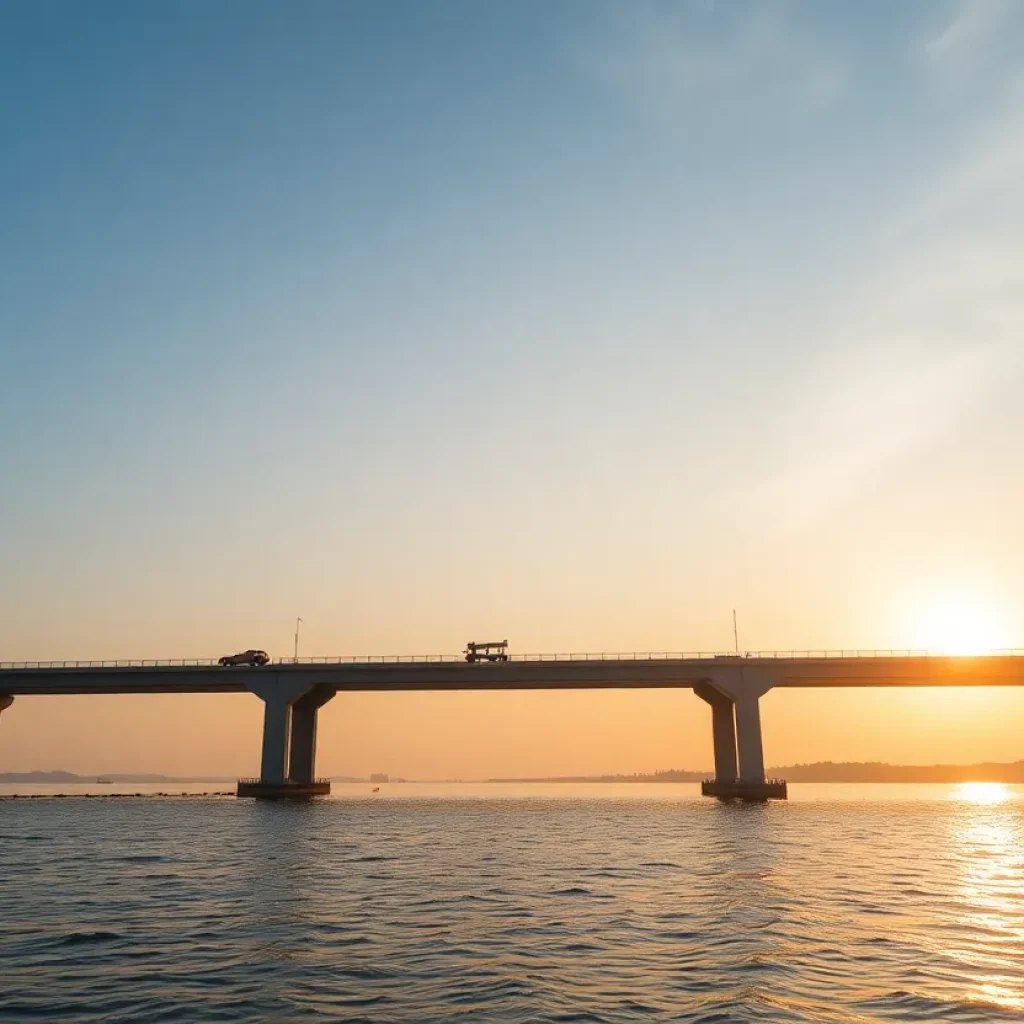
<point>251,658</point>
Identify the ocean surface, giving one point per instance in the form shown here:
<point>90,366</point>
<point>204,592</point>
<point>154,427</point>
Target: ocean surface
<point>570,903</point>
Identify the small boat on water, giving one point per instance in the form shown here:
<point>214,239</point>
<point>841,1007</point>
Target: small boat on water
<point>104,782</point>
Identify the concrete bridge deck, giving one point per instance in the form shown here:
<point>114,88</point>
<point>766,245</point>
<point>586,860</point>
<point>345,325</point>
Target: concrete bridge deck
<point>554,673</point>
<point>293,691</point>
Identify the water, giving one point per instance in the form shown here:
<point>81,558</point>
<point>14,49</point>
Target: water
<point>481,903</point>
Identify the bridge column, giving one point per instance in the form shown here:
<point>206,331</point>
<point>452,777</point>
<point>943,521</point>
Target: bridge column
<point>723,731</point>
<point>277,734</point>
<point>5,701</point>
<point>302,758</point>
<point>279,695</point>
<point>748,734</point>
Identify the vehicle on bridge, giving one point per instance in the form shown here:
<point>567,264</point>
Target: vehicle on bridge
<point>493,650</point>
<point>251,658</point>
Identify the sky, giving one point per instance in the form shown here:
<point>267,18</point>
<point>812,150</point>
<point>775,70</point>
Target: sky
<point>579,324</point>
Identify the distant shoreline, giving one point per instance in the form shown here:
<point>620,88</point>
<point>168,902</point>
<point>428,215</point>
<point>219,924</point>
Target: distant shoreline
<point>821,771</point>
<point>73,779</point>
<point>825,771</point>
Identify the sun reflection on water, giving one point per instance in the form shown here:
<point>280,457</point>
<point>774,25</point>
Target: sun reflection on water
<point>983,792</point>
<point>987,848</point>
<point>997,993</point>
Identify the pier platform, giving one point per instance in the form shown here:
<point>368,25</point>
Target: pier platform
<point>737,789</point>
<point>283,790</point>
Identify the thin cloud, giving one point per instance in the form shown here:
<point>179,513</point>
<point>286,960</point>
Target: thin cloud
<point>940,341</point>
<point>973,51</point>
<point>684,62</point>
<point>973,25</point>
<point>936,342</point>
<point>994,164</point>
<point>933,339</point>
<point>873,413</point>
<point>935,317</point>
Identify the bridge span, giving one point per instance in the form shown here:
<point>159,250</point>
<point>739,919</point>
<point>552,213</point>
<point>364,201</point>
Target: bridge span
<point>294,691</point>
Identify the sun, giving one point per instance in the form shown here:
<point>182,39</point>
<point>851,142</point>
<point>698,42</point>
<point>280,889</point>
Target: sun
<point>959,626</point>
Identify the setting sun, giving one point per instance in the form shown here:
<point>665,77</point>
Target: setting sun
<point>960,626</point>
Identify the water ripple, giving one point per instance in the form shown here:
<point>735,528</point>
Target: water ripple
<point>446,910</point>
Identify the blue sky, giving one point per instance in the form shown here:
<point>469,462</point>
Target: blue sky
<point>583,322</point>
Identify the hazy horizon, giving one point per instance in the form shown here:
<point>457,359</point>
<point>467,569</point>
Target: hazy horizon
<point>868,773</point>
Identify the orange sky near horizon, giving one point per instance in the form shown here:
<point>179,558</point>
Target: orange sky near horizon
<point>479,735</point>
<point>846,603</point>
<point>518,734</point>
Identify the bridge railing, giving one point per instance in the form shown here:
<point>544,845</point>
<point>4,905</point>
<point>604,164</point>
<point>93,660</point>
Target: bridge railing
<point>374,659</point>
<point>287,782</point>
<point>403,659</point>
<point>121,663</point>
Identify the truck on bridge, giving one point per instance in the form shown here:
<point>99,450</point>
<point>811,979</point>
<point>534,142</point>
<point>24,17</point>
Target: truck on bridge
<point>493,650</point>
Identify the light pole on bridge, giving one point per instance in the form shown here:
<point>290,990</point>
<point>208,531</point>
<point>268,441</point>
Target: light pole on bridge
<point>296,656</point>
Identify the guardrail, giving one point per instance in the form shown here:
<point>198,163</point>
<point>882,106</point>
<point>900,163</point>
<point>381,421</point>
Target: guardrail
<point>404,659</point>
<point>373,659</point>
<point>123,663</point>
<point>287,782</point>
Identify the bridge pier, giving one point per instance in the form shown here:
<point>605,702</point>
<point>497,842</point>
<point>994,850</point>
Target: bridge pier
<point>748,738</point>
<point>5,701</point>
<point>277,734</point>
<point>723,731</point>
<point>289,740</point>
<point>739,751</point>
<point>302,758</point>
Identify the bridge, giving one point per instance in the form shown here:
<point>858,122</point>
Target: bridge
<point>732,685</point>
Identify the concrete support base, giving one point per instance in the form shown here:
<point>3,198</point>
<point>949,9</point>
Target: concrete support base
<point>283,790</point>
<point>751,792</point>
<point>739,755</point>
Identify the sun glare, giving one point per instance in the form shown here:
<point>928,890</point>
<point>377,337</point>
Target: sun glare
<point>959,627</point>
<point>982,792</point>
